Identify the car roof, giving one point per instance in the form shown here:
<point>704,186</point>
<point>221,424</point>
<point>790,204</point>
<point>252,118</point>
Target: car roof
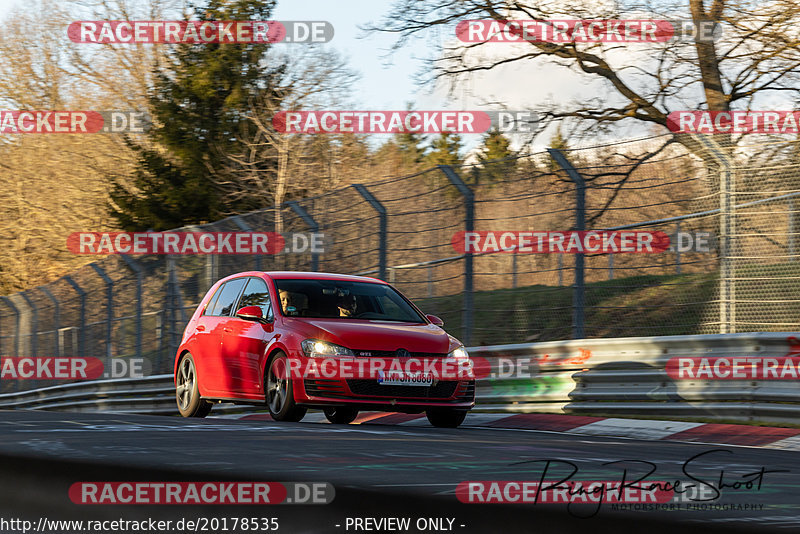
<point>303,275</point>
<point>308,275</point>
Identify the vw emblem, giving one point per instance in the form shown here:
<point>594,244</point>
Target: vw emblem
<point>403,353</point>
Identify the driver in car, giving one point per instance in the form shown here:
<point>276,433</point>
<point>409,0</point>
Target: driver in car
<point>346,305</point>
<point>290,303</point>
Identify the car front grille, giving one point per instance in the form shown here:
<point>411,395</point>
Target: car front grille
<point>393,354</point>
<point>371,388</point>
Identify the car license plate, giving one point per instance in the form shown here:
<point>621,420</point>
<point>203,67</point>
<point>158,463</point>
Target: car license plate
<point>405,379</point>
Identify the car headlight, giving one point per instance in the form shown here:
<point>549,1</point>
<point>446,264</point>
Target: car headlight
<point>459,354</point>
<point>322,349</point>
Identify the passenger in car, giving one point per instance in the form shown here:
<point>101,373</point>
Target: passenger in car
<point>346,305</point>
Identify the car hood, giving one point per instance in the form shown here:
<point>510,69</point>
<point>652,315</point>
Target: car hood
<point>360,334</point>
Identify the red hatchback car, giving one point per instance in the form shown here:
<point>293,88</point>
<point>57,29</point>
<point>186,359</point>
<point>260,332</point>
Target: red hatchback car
<point>262,337</point>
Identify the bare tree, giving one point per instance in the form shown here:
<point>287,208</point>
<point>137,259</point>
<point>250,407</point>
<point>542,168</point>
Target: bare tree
<point>274,164</point>
<point>58,184</point>
<point>757,55</point>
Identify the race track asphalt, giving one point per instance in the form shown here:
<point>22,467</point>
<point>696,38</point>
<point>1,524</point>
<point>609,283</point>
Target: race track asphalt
<point>387,471</point>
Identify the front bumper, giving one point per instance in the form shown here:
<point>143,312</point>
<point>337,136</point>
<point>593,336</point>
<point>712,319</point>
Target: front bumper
<point>369,394</point>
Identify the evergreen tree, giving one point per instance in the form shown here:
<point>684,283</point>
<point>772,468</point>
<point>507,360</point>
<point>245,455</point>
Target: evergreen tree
<point>496,146</point>
<point>445,150</point>
<point>198,105</point>
<point>411,145</point>
<point>412,149</point>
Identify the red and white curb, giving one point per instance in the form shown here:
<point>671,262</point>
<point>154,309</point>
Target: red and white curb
<point>723,434</point>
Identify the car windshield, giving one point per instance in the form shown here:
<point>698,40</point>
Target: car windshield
<point>340,299</point>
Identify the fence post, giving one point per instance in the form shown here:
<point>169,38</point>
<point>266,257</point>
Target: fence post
<point>611,266</point>
<point>211,270</point>
<point>56,320</point>
<point>514,270</point>
<point>578,295</point>
<point>727,229</point>
<point>35,326</point>
<point>792,225</point>
<point>469,226</point>
<point>312,225</point>
<point>109,305</point>
<point>134,266</point>
<point>160,331</point>
<point>211,259</point>
<point>82,333</point>
<point>169,315</point>
<point>382,227</point>
<point>17,323</point>
<point>174,306</point>
<point>244,227</point>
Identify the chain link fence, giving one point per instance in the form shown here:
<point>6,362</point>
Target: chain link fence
<point>729,206</point>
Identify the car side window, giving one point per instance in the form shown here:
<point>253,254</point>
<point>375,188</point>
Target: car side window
<point>256,294</point>
<point>210,306</point>
<point>229,294</point>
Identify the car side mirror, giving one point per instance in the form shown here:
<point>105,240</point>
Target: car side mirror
<point>251,313</point>
<point>435,320</point>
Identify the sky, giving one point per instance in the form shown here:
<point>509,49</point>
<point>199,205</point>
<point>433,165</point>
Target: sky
<point>387,78</point>
<point>382,85</point>
<point>386,82</point>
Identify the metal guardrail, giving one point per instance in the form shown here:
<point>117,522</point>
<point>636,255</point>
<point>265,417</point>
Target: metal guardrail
<point>623,376</point>
<point>627,376</point>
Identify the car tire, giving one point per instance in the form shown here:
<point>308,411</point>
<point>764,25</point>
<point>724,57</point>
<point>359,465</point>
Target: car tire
<point>341,415</point>
<point>187,391</point>
<point>279,393</point>
<point>445,418</point>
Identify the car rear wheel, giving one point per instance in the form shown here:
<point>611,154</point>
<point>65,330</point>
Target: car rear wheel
<point>279,391</point>
<point>187,393</point>
<point>341,415</point>
<point>444,418</point>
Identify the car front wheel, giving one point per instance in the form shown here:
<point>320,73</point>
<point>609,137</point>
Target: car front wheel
<point>187,392</point>
<point>279,392</point>
<point>444,418</point>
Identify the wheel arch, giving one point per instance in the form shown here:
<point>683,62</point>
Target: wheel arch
<point>271,353</point>
<point>178,361</point>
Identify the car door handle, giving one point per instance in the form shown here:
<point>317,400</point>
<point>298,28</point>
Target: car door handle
<point>229,330</point>
<point>200,328</point>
